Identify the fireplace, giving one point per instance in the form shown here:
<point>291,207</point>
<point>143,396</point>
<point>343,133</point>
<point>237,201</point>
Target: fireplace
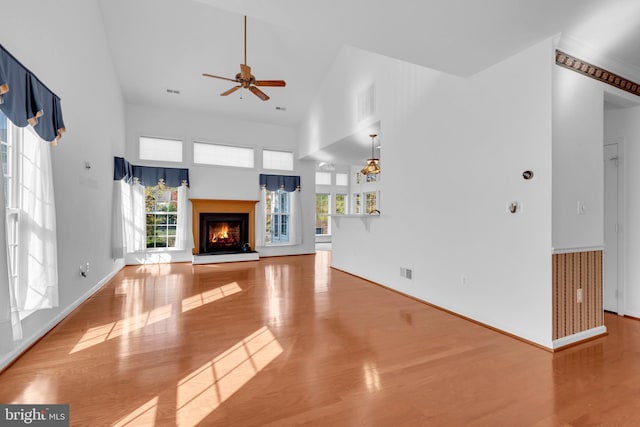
<point>221,228</point>
<point>223,232</point>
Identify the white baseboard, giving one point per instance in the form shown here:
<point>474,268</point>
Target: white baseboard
<point>28,342</point>
<point>580,336</point>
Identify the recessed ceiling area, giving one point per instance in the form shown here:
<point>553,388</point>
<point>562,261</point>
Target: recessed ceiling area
<point>354,149</point>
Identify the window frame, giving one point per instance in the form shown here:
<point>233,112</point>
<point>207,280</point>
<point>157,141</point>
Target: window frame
<point>164,159</point>
<point>217,144</point>
<point>156,213</point>
<point>11,172</point>
<point>271,167</point>
<point>326,214</point>
<point>280,214</point>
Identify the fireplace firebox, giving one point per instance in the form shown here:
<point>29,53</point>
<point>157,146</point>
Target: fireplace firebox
<point>223,233</point>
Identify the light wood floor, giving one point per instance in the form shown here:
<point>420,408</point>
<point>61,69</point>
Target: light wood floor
<point>288,341</point>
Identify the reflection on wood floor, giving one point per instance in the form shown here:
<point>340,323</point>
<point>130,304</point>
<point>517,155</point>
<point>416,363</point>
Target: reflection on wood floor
<point>289,341</point>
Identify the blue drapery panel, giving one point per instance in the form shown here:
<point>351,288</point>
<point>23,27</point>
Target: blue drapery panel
<point>149,175</point>
<point>25,100</point>
<point>280,182</point>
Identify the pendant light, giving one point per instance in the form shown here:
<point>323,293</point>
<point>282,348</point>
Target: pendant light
<point>373,164</point>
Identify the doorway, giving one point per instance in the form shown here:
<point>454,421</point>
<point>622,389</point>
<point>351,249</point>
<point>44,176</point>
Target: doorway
<point>613,256</point>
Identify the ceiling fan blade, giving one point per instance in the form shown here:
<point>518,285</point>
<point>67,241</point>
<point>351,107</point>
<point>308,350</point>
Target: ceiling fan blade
<point>257,92</point>
<point>218,77</point>
<point>230,91</point>
<point>245,72</point>
<point>276,83</point>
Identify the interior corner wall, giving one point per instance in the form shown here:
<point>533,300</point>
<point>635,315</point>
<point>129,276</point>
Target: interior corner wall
<point>220,182</point>
<point>625,123</point>
<point>64,44</point>
<point>454,152</point>
<point>578,172</point>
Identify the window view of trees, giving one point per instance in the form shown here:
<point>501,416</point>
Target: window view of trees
<point>341,204</point>
<point>371,201</point>
<point>322,213</point>
<point>161,203</point>
<point>277,221</point>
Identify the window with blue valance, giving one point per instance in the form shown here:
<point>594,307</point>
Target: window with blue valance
<point>149,175</point>
<point>25,100</point>
<point>280,182</point>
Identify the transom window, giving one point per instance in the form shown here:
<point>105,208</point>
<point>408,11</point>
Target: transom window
<point>277,160</point>
<point>160,149</point>
<point>223,155</point>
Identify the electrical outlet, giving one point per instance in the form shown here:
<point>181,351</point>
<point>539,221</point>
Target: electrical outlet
<point>406,272</point>
<point>84,269</point>
<point>579,295</point>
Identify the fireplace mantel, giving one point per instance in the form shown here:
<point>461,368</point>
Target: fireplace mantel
<point>222,206</point>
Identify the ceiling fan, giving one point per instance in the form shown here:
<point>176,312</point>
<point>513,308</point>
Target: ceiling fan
<point>247,80</point>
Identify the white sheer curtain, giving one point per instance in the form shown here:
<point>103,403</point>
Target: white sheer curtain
<point>137,221</point>
<point>37,249</point>
<point>129,229</point>
<point>295,218</point>
<point>118,247</point>
<point>261,214</point>
<point>10,326</point>
<point>184,236</point>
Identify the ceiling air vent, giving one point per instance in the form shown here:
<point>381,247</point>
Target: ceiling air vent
<point>366,103</point>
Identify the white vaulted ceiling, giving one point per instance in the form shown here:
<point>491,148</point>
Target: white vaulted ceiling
<point>167,44</point>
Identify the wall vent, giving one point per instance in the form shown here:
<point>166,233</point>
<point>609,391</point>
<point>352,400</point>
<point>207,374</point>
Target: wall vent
<point>366,103</point>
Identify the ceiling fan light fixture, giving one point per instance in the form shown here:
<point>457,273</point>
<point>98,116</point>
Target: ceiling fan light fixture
<point>246,80</point>
<point>373,164</point>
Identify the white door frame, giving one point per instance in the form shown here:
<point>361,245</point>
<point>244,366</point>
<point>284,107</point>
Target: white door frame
<point>621,220</point>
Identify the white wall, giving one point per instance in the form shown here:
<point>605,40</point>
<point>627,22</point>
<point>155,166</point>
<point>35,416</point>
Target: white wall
<point>625,123</point>
<point>45,37</point>
<point>578,172</point>
<point>215,182</point>
<point>453,154</point>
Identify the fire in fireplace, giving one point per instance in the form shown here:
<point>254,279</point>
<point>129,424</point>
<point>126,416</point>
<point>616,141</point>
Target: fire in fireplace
<point>224,235</point>
<point>223,232</point>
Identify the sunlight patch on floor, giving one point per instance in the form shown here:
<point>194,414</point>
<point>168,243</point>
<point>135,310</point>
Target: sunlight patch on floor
<point>210,296</point>
<point>103,333</point>
<point>144,415</point>
<point>202,391</point>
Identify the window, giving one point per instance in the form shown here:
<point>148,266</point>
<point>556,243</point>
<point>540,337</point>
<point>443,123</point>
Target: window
<point>323,178</point>
<point>278,160</point>
<point>322,213</point>
<point>357,203</point>
<point>30,218</point>
<point>222,155</point>
<point>164,150</point>
<point>161,205</point>
<point>342,179</point>
<point>9,135</point>
<point>341,204</point>
<point>371,201</point>
<point>278,217</point>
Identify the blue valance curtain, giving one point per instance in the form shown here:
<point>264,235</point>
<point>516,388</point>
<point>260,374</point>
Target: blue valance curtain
<point>25,100</point>
<point>280,182</point>
<point>149,175</point>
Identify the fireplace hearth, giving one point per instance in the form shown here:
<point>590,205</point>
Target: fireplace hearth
<point>223,233</point>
